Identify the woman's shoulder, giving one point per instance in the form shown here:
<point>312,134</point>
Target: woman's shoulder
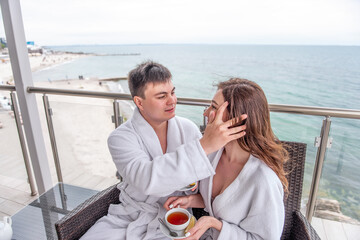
<point>262,175</point>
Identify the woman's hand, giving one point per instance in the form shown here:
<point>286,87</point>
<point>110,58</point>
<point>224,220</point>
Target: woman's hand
<point>203,224</point>
<point>190,201</point>
<point>183,202</point>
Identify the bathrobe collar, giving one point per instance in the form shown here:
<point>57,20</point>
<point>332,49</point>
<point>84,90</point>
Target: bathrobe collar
<point>218,200</point>
<point>149,137</point>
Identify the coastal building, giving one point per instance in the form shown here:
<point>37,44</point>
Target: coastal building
<point>33,48</point>
<point>3,43</point>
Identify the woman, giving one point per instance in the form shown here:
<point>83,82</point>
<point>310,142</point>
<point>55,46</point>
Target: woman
<point>245,196</point>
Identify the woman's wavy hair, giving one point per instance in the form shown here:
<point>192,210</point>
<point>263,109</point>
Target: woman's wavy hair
<point>247,97</point>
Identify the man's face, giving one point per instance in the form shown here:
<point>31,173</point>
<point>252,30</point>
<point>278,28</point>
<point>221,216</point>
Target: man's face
<point>159,103</point>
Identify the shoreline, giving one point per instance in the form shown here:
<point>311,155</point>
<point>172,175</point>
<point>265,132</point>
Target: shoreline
<point>38,62</point>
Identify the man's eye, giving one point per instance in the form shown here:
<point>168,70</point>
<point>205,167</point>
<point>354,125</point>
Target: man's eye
<point>172,93</point>
<point>161,97</point>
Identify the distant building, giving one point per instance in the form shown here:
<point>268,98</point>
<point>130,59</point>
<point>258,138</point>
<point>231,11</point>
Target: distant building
<point>3,43</point>
<point>33,48</point>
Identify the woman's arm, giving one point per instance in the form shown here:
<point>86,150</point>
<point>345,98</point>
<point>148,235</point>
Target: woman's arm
<point>190,201</point>
<point>203,224</point>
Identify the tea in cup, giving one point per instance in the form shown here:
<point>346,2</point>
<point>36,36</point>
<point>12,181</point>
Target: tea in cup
<point>177,219</point>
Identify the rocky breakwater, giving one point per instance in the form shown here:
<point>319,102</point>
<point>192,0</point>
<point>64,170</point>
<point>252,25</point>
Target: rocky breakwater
<point>330,209</point>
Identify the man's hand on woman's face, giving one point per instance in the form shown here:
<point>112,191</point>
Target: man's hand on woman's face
<point>218,133</point>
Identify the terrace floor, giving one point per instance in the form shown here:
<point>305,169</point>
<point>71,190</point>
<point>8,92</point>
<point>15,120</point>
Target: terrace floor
<point>15,194</point>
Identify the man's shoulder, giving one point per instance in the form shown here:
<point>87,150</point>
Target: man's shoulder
<point>124,129</point>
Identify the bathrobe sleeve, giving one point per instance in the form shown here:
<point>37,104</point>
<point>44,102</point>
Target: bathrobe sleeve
<point>265,214</point>
<point>163,174</point>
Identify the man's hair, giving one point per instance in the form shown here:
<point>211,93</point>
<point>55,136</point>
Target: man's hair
<point>147,72</point>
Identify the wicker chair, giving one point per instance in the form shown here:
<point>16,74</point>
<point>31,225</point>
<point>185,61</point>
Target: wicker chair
<point>79,220</point>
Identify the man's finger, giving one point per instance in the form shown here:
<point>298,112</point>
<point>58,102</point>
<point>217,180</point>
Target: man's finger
<point>211,117</point>
<point>235,130</point>
<point>220,111</point>
<point>237,135</point>
<point>234,122</point>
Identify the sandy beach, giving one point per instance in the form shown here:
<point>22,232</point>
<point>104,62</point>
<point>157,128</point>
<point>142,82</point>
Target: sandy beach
<point>81,126</point>
<point>37,62</point>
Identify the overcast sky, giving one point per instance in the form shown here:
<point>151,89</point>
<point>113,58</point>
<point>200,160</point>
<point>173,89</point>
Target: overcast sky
<point>317,22</point>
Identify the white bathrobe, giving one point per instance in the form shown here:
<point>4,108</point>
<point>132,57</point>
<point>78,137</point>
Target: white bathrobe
<point>149,176</point>
<point>251,207</point>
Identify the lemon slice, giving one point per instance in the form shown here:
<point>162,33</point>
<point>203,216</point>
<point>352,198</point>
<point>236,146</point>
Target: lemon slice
<point>191,224</point>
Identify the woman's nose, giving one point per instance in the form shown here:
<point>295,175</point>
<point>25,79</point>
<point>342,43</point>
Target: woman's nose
<point>206,112</point>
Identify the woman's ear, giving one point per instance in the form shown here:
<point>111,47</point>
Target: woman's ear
<point>138,102</point>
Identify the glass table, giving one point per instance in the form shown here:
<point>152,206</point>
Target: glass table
<point>37,220</point>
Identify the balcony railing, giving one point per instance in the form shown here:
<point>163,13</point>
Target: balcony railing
<point>322,142</point>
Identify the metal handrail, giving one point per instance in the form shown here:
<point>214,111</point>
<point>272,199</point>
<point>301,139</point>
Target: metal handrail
<point>7,87</point>
<point>294,109</point>
<point>109,95</point>
<point>316,111</point>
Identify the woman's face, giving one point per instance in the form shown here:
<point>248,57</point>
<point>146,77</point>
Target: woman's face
<point>216,102</point>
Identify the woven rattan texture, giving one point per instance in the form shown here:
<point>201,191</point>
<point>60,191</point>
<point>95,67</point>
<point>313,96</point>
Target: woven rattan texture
<point>294,168</point>
<point>79,220</point>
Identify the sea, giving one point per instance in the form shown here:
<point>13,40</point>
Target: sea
<point>321,76</point>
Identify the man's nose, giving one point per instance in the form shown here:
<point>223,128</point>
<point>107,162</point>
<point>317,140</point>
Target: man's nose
<point>172,99</point>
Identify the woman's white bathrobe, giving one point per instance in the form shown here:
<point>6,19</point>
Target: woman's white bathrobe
<point>149,176</point>
<point>251,207</point>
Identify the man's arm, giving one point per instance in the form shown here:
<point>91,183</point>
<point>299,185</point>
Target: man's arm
<point>161,175</point>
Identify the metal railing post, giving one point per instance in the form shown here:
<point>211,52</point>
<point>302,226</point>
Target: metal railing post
<point>117,119</point>
<point>23,144</point>
<point>205,120</point>
<point>48,113</point>
<point>320,156</point>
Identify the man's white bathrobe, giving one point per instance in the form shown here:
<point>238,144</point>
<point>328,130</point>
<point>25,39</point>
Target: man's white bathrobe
<point>149,176</point>
<point>251,207</point>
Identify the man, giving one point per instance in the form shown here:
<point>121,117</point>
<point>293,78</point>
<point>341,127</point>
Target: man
<point>156,153</point>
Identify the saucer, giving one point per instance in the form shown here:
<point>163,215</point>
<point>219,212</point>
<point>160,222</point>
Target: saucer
<point>187,188</point>
<point>166,232</point>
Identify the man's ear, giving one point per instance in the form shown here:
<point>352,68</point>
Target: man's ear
<point>138,102</point>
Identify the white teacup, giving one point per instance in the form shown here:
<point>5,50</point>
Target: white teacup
<point>177,219</point>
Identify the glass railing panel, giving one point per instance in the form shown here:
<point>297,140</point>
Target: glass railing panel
<point>300,128</point>
<point>12,168</point>
<point>339,190</point>
<point>193,113</point>
<point>82,126</point>
<point>6,76</point>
